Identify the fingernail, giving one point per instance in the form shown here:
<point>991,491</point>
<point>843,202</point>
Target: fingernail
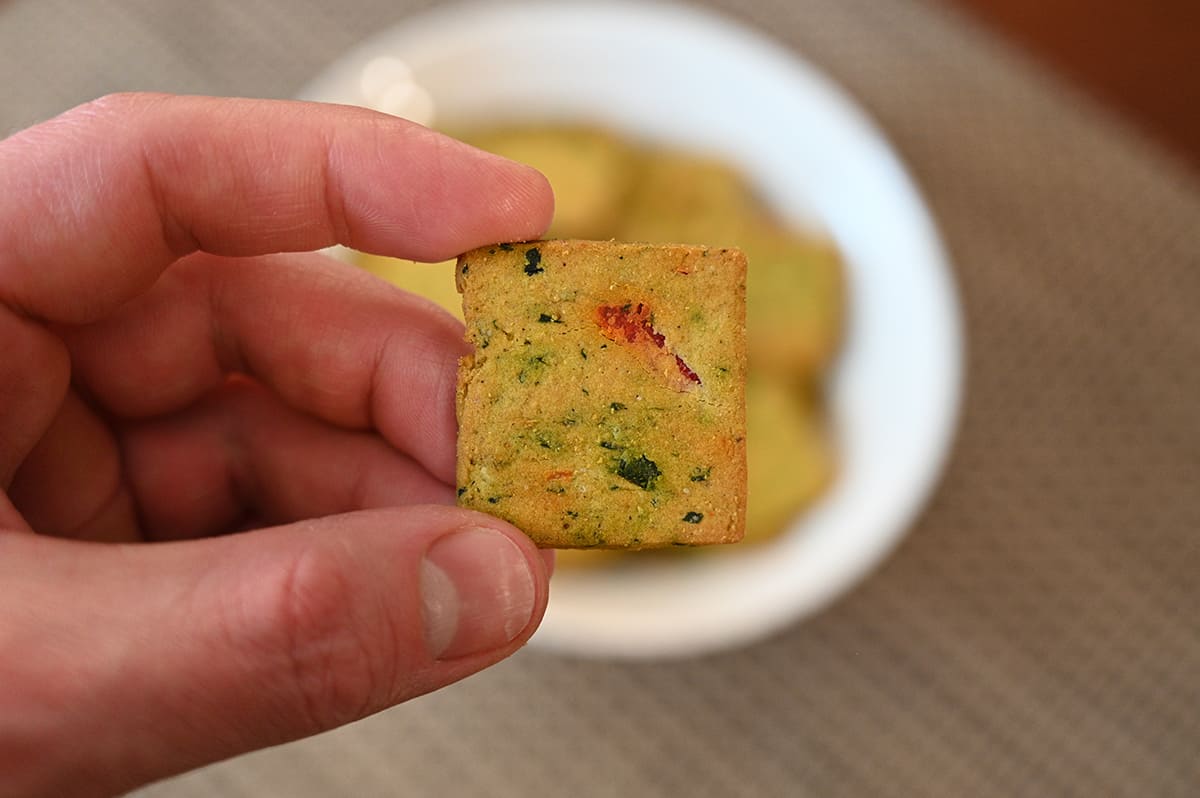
<point>477,592</point>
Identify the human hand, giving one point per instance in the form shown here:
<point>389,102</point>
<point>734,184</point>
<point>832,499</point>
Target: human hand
<point>164,380</point>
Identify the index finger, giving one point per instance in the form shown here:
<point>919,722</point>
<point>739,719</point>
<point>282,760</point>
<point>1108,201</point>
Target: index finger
<point>100,200</point>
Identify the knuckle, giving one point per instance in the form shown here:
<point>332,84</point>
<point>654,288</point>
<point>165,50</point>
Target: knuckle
<point>116,105</point>
<point>114,101</point>
<point>319,638</point>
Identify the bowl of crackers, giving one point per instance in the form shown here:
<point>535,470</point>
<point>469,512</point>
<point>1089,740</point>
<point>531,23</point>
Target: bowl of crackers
<point>670,125</point>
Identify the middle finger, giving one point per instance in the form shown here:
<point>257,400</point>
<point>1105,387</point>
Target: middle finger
<point>243,458</point>
<point>329,339</point>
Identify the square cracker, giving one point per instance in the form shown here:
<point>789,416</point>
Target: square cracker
<point>604,404</point>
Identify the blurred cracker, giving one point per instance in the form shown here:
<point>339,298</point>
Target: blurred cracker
<point>434,281</point>
<point>790,458</point>
<point>795,302</point>
<point>590,170</point>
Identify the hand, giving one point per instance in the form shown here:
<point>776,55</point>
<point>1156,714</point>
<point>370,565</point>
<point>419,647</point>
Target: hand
<point>164,380</point>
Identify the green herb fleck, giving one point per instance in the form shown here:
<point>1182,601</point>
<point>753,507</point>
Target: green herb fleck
<point>701,474</point>
<point>546,318</point>
<point>693,518</point>
<point>461,491</point>
<point>533,369</point>
<point>641,471</point>
<point>533,260</point>
<point>612,447</point>
<point>485,336</point>
<point>583,353</point>
<point>506,247</point>
<point>615,406</point>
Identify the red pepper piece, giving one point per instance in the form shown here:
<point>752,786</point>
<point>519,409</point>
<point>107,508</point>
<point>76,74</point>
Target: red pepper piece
<point>634,324</point>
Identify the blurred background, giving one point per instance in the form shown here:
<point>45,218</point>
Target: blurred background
<point>1036,632</point>
<point>1140,58</point>
<point>1137,58</point>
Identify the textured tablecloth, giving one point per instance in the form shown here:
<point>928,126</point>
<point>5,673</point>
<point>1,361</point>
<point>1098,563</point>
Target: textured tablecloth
<point>1039,631</point>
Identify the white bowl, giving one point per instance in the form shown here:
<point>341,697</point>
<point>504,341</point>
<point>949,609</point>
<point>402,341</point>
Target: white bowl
<point>675,74</point>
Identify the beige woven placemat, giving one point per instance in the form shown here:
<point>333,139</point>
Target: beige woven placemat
<point>1038,633</point>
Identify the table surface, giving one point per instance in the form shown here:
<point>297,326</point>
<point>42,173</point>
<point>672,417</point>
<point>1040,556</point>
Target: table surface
<point>1037,632</point>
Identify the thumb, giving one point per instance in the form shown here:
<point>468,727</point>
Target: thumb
<point>123,664</point>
